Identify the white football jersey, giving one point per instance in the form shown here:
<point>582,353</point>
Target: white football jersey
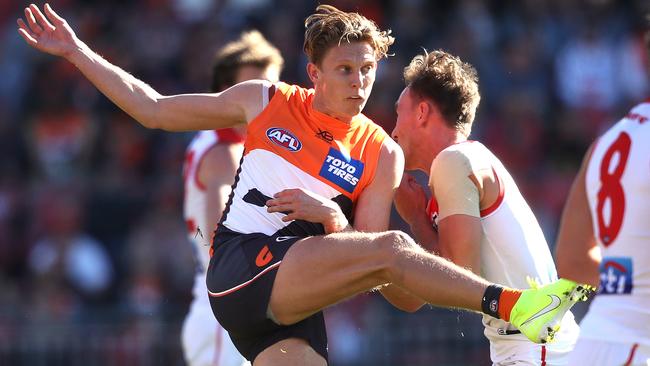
<point>199,231</point>
<point>204,341</point>
<point>512,246</point>
<point>618,190</point>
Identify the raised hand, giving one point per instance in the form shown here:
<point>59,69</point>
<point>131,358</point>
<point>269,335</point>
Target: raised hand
<point>305,205</point>
<point>52,35</point>
<point>410,199</point>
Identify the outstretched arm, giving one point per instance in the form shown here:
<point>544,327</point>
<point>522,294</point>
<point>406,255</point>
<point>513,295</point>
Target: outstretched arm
<point>51,34</point>
<point>577,255</point>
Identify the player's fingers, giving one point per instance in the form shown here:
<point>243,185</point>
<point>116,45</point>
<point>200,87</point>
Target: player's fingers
<point>282,200</point>
<point>23,26</point>
<point>280,194</point>
<point>290,192</point>
<point>40,17</point>
<point>410,178</point>
<point>290,217</point>
<point>279,208</point>
<point>32,21</point>
<point>26,36</point>
<point>52,15</point>
<point>414,184</point>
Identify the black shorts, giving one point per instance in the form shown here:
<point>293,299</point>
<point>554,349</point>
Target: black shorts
<point>240,279</point>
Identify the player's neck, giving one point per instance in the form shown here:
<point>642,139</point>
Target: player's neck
<point>453,137</point>
<point>319,105</point>
<point>441,142</point>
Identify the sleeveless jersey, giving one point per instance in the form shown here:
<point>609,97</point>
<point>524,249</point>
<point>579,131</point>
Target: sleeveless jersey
<point>198,230</point>
<point>618,190</point>
<point>291,145</point>
<point>512,245</point>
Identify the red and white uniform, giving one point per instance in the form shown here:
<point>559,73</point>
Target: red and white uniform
<point>618,190</point>
<point>205,342</point>
<point>512,248</point>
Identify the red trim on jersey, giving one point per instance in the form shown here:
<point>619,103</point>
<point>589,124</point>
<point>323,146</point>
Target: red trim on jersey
<point>224,136</point>
<point>432,208</point>
<point>632,352</point>
<point>229,135</point>
<point>499,200</point>
<point>271,92</point>
<point>242,285</point>
<point>543,359</point>
<point>190,224</point>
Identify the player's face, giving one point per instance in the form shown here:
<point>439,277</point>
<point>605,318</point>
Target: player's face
<point>404,132</point>
<point>344,79</point>
<point>271,73</point>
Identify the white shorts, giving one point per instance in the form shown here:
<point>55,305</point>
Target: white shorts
<point>602,353</point>
<point>516,349</point>
<point>205,342</point>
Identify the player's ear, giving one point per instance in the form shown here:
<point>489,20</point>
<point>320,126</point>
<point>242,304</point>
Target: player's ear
<point>423,112</point>
<point>313,72</point>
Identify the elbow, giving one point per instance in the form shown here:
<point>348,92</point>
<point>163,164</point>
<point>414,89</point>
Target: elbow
<point>151,115</point>
<point>150,123</point>
<point>410,307</point>
<point>413,309</point>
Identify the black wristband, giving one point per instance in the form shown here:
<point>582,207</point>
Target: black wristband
<point>490,301</point>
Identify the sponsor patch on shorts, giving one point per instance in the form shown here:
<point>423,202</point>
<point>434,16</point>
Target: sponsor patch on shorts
<point>341,170</point>
<point>616,275</point>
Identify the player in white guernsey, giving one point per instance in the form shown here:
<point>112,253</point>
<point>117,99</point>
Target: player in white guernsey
<point>604,239</point>
<point>476,216</point>
<point>211,161</point>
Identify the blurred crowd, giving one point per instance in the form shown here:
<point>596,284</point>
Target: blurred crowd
<point>91,230</point>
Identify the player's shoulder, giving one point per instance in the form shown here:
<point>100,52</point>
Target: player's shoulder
<point>390,147</point>
<point>460,153</point>
<point>466,157</point>
<point>249,88</point>
<point>290,91</point>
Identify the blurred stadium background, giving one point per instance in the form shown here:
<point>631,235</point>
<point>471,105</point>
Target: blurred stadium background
<point>94,265</point>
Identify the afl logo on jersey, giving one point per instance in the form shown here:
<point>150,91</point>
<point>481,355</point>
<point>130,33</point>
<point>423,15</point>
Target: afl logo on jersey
<point>284,138</point>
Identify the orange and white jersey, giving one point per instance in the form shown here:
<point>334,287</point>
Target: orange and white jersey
<point>512,245</point>
<point>291,145</point>
<point>618,190</point>
<point>194,209</point>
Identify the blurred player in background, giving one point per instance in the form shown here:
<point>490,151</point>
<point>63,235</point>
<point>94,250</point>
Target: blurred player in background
<point>312,162</point>
<point>604,239</point>
<point>211,162</point>
<point>476,216</point>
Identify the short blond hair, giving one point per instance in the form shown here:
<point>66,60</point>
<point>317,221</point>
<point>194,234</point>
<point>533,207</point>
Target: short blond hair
<point>250,49</point>
<point>329,26</point>
<point>448,82</point>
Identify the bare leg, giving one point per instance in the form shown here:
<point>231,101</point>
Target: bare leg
<point>289,352</point>
<point>321,271</point>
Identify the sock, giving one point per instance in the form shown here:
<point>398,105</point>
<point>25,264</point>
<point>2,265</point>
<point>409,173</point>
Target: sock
<point>498,301</point>
<point>507,300</point>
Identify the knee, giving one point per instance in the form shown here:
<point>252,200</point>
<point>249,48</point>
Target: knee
<point>394,244</point>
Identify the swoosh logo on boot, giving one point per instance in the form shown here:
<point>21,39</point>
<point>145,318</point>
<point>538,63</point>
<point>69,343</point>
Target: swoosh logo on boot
<point>555,303</point>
